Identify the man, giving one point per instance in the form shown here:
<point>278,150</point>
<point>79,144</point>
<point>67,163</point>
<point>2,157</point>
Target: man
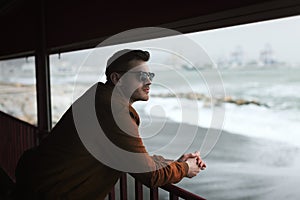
<point>70,164</point>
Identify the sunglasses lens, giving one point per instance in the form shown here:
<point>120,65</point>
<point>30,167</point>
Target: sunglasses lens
<point>151,76</point>
<point>145,75</point>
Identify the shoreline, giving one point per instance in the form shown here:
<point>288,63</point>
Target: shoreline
<point>238,167</point>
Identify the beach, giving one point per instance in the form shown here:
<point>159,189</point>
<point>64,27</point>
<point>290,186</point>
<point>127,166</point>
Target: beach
<point>19,100</point>
<point>238,167</point>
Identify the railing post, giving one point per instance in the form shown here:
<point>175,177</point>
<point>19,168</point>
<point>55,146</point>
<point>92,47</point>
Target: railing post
<point>123,187</point>
<point>173,196</point>
<point>176,191</point>
<point>154,193</point>
<point>111,194</point>
<point>138,190</point>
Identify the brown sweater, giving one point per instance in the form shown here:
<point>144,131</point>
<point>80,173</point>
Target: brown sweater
<point>61,167</point>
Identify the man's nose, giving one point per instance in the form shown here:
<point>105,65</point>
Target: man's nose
<point>147,81</point>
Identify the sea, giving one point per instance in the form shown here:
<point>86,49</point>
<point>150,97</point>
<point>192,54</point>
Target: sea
<point>256,155</point>
<point>276,90</point>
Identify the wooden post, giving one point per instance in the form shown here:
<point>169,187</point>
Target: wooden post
<point>42,74</point>
<point>154,193</point>
<point>123,186</point>
<point>138,190</point>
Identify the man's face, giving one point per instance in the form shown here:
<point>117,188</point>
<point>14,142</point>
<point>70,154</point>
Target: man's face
<point>131,84</point>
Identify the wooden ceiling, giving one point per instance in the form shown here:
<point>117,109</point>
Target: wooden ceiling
<point>63,25</point>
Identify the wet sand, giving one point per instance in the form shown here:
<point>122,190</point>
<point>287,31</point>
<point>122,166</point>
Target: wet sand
<point>238,167</point>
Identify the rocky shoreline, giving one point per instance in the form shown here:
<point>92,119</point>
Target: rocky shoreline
<point>208,100</point>
<point>19,100</point>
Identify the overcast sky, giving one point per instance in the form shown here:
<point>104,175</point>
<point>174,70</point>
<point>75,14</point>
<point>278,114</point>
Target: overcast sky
<point>283,35</point>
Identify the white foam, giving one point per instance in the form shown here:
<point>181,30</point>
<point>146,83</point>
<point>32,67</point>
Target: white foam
<point>249,120</point>
<point>255,121</point>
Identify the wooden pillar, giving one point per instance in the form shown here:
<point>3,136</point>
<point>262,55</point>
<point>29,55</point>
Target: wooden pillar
<point>138,190</point>
<point>42,74</point>
<point>123,186</point>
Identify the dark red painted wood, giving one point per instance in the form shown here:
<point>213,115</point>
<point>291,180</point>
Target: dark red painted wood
<point>180,192</point>
<point>16,137</point>
<point>112,195</point>
<point>138,190</point>
<point>154,193</point>
<point>123,187</point>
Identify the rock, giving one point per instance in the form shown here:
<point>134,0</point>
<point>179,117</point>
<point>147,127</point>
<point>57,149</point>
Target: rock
<point>209,101</point>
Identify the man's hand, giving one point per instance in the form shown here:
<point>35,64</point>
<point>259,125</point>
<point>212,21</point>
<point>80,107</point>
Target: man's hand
<point>184,157</point>
<point>194,169</point>
<point>201,164</point>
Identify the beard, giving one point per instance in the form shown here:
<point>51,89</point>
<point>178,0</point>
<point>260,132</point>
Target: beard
<point>139,95</point>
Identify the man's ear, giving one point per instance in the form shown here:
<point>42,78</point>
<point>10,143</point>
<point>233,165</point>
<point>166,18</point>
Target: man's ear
<point>115,77</point>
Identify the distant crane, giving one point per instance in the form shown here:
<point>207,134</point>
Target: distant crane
<point>266,56</point>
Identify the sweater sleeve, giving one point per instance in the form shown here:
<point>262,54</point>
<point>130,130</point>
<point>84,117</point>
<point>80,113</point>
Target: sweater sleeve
<point>166,172</point>
<point>122,130</point>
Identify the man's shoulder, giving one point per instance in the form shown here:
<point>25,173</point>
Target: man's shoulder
<point>103,94</point>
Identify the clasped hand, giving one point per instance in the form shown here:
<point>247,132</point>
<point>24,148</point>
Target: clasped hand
<point>195,163</point>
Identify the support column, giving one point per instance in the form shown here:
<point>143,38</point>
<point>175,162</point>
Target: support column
<point>42,74</point>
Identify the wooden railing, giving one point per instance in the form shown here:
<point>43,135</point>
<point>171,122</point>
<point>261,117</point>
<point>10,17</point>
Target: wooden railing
<point>18,136</point>
<point>175,192</point>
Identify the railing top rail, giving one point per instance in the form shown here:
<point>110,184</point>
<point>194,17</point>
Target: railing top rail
<point>16,119</point>
<point>180,192</point>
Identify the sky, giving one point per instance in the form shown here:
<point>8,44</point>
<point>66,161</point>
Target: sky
<point>283,35</point>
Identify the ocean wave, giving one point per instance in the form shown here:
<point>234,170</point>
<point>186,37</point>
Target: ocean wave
<point>250,120</point>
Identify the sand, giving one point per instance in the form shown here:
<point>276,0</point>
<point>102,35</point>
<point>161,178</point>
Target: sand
<point>238,167</point>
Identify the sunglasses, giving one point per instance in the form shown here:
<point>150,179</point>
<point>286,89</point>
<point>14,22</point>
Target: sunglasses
<point>143,76</point>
